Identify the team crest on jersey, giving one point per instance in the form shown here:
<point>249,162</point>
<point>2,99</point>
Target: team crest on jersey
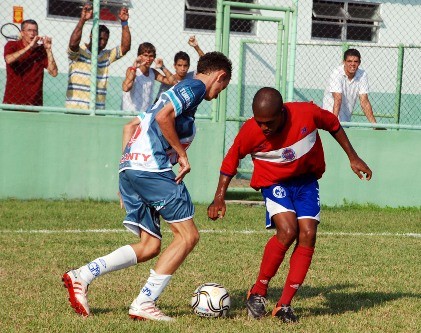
<point>288,154</point>
<point>187,95</point>
<point>279,192</point>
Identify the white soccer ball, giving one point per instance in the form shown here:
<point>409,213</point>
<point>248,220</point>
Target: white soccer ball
<point>211,300</point>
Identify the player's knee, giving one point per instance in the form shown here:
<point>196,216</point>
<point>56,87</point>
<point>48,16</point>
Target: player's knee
<point>308,236</point>
<point>287,235</point>
<point>192,239</point>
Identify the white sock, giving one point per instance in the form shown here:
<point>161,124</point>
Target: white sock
<point>121,258</point>
<point>154,287</point>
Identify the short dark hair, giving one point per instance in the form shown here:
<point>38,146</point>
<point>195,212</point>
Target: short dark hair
<point>146,48</point>
<point>214,61</point>
<point>352,53</point>
<point>22,25</point>
<point>267,99</point>
<point>102,28</point>
<point>182,56</point>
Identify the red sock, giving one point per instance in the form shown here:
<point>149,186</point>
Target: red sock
<point>272,258</point>
<point>298,267</point>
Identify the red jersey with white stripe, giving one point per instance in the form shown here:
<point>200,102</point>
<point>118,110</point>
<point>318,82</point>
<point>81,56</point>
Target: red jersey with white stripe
<point>293,152</point>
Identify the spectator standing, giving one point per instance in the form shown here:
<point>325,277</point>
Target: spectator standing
<point>26,60</point>
<point>140,79</point>
<point>79,83</point>
<point>182,65</point>
<point>346,84</point>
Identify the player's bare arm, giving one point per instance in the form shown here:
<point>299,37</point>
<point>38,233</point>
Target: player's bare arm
<point>126,37</point>
<point>359,167</point>
<point>337,101</point>
<point>218,208</point>
<point>367,109</point>
<point>194,44</point>
<point>168,78</point>
<point>11,58</point>
<point>52,66</point>
<point>128,130</point>
<point>76,36</point>
<point>166,121</point>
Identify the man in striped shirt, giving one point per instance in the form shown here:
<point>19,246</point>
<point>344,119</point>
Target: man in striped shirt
<point>79,82</point>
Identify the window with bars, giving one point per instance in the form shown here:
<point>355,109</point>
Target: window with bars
<point>109,9</point>
<point>201,15</point>
<point>345,20</point>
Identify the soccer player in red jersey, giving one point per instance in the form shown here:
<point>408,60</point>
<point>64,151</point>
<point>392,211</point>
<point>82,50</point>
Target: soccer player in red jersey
<point>288,159</point>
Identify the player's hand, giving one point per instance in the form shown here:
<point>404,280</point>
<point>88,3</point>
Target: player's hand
<point>87,12</point>
<point>361,169</point>
<point>217,209</point>
<point>183,170</point>
<point>138,62</point>
<point>34,43</point>
<point>159,62</point>
<point>47,41</point>
<point>193,41</point>
<point>124,14</point>
<point>121,200</point>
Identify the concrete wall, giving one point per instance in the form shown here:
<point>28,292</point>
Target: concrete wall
<point>69,156</point>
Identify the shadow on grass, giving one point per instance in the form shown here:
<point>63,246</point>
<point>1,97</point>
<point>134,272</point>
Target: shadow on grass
<point>337,298</point>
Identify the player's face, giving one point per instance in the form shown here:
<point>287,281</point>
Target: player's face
<point>103,40</point>
<point>351,65</point>
<point>29,32</point>
<point>270,124</point>
<point>216,88</point>
<point>181,68</point>
<point>147,58</point>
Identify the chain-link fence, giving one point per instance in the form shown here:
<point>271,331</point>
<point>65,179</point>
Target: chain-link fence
<point>385,32</point>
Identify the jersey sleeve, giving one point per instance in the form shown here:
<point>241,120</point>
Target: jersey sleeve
<point>185,94</point>
<point>115,54</point>
<point>12,47</point>
<point>325,120</point>
<point>72,55</point>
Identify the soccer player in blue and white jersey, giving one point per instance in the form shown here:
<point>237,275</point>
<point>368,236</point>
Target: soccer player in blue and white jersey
<point>153,142</point>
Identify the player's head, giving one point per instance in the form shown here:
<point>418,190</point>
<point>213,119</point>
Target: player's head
<point>103,36</point>
<point>147,53</point>
<point>268,110</point>
<point>181,64</point>
<point>352,60</point>
<point>29,30</point>
<point>217,69</point>
<point>352,53</point>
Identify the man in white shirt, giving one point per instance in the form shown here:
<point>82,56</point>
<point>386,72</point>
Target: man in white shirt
<point>346,83</point>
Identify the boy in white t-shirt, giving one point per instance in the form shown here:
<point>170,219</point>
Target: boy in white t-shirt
<point>140,78</point>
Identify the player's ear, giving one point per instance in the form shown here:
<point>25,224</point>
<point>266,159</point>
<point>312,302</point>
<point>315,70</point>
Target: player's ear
<point>222,76</point>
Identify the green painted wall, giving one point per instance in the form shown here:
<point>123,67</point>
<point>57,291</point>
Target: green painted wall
<point>393,156</point>
<point>69,156</point>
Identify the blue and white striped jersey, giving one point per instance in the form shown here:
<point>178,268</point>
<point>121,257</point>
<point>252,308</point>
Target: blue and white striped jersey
<point>148,150</point>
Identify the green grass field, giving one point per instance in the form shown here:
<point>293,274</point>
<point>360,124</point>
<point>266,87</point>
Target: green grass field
<point>365,275</point>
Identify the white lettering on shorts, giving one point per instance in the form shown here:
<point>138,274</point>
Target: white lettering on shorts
<point>279,192</point>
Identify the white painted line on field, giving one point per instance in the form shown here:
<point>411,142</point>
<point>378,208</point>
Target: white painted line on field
<point>206,231</point>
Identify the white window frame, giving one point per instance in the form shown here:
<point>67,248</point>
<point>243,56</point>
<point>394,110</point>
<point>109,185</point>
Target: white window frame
<point>113,5</point>
<point>208,10</point>
<point>345,19</point>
